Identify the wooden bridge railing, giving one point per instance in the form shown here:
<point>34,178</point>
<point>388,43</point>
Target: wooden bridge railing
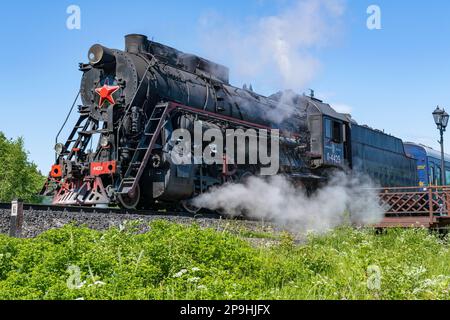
<point>426,206</point>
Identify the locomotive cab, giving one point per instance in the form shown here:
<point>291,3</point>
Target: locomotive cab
<point>330,133</point>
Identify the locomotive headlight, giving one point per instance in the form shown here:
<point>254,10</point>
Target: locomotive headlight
<point>59,148</point>
<point>104,141</point>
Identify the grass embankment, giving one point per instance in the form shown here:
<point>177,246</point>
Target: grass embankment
<point>187,262</point>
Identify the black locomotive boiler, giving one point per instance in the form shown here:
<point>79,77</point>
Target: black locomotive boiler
<point>133,102</point>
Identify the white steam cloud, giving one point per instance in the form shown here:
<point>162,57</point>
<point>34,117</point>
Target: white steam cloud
<point>285,109</point>
<point>275,49</point>
<point>276,199</point>
<point>342,108</point>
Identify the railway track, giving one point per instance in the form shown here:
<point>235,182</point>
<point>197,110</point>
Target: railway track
<point>38,218</point>
<point>117,211</point>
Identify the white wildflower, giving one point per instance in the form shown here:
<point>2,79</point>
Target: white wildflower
<point>180,273</point>
<point>416,272</point>
<point>97,283</point>
<point>80,285</point>
<point>193,279</point>
<point>434,284</point>
<point>123,226</point>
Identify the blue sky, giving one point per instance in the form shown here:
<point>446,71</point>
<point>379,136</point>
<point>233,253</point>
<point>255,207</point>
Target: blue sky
<point>391,78</point>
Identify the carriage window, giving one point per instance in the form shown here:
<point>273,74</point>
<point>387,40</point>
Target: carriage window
<point>438,176</point>
<point>431,175</point>
<point>447,177</point>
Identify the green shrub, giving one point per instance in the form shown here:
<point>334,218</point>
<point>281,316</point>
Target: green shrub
<point>172,261</point>
<point>19,178</point>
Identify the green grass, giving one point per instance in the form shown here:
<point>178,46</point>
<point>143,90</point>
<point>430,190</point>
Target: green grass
<point>187,262</point>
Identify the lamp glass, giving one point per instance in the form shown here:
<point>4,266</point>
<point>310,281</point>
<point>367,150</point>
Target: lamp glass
<point>437,115</point>
<point>104,141</point>
<point>59,148</point>
<point>444,119</point>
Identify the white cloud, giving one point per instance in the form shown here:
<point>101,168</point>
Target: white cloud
<point>277,50</point>
<point>342,108</point>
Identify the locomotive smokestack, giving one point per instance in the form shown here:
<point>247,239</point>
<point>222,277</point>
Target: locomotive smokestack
<point>100,56</point>
<point>136,43</point>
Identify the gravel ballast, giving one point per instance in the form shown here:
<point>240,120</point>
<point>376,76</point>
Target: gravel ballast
<point>36,222</point>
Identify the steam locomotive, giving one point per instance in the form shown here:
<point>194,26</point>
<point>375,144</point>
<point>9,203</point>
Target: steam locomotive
<point>134,102</point>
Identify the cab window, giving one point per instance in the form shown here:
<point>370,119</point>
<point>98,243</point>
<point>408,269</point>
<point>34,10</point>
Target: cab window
<point>333,130</point>
<point>337,132</point>
<point>328,131</point>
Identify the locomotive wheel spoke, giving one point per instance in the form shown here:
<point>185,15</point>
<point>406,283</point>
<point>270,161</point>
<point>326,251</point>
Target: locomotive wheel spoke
<point>130,201</point>
<point>189,207</point>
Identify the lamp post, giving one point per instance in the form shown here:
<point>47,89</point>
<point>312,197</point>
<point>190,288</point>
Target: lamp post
<point>441,119</point>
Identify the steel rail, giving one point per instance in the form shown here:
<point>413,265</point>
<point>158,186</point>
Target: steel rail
<point>117,211</point>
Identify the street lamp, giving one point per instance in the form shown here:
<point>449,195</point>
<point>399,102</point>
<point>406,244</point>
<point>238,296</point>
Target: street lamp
<point>441,119</point>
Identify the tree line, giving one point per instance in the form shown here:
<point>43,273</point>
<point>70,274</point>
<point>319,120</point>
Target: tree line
<point>19,177</point>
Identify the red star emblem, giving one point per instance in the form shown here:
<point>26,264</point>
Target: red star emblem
<point>106,93</point>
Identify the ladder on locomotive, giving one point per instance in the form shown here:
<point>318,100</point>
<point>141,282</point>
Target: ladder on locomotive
<point>144,149</point>
<point>84,129</point>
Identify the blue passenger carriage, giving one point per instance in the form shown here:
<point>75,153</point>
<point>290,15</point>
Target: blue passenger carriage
<point>428,164</point>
